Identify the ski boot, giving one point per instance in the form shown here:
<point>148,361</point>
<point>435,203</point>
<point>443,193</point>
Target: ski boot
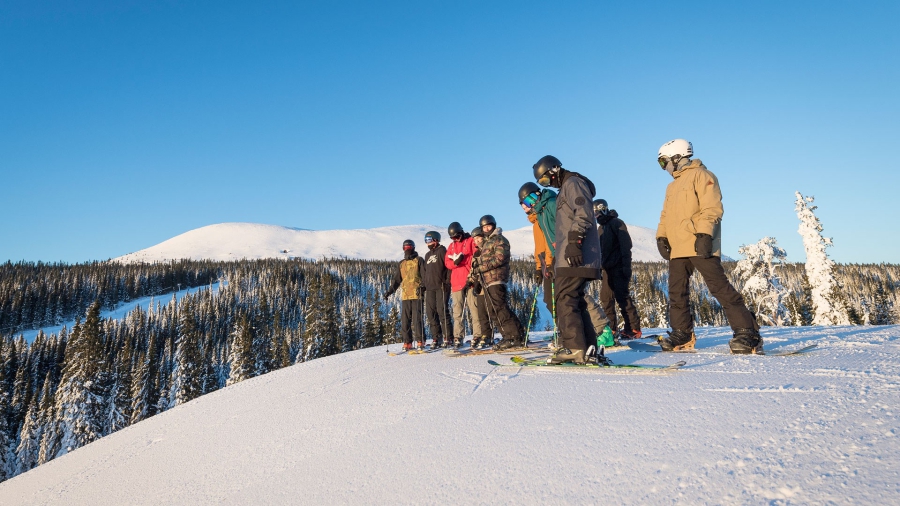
<point>564,355</point>
<point>407,346</point>
<point>420,345</point>
<point>678,340</point>
<point>506,344</point>
<point>458,344</point>
<point>746,342</point>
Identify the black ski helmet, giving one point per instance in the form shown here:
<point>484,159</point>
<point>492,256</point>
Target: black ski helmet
<point>409,244</point>
<point>527,189</point>
<point>455,230</point>
<point>436,237</point>
<point>544,164</point>
<point>487,219</point>
<point>477,232</point>
<point>600,207</point>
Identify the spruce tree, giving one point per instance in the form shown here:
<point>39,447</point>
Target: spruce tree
<point>187,383</point>
<point>827,299</point>
<point>240,358</point>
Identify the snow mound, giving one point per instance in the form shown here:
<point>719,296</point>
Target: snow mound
<point>363,427</point>
<point>235,241</point>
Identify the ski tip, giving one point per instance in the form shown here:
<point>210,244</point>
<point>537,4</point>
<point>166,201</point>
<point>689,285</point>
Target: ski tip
<point>494,363</point>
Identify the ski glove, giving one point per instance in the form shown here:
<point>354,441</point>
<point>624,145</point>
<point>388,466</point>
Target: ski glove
<point>703,245</point>
<point>459,259</point>
<point>662,244</point>
<point>574,257</point>
<point>538,277</point>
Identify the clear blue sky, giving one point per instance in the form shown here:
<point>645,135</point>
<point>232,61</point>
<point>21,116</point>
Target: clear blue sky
<point>125,123</point>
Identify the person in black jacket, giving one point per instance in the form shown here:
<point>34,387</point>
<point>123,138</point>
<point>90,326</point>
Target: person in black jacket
<point>615,259</point>
<point>410,278</point>
<point>577,257</point>
<point>437,292</point>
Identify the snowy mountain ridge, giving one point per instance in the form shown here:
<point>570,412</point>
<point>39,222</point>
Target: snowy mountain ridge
<point>364,427</point>
<point>234,241</point>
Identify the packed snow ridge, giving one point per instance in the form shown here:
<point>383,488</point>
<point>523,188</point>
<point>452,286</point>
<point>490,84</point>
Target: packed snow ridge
<point>367,428</point>
<point>235,241</point>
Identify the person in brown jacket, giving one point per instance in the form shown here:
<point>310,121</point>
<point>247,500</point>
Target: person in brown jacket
<point>689,236</point>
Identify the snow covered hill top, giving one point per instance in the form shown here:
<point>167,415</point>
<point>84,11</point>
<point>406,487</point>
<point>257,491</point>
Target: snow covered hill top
<point>234,241</point>
<point>366,428</point>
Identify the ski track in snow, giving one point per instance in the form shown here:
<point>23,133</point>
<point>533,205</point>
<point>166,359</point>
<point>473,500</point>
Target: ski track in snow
<point>362,427</point>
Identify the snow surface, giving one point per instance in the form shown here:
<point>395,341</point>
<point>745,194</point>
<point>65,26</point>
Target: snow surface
<point>366,428</point>
<point>234,241</point>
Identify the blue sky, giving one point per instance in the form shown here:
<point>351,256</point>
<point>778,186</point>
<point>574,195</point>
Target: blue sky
<point>123,124</point>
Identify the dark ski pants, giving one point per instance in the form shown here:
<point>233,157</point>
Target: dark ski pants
<point>411,324</point>
<point>501,315</point>
<point>614,291</point>
<point>571,313</point>
<point>487,324</point>
<point>680,270</point>
<point>438,314</point>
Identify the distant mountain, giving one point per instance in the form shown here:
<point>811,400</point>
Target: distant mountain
<point>234,241</point>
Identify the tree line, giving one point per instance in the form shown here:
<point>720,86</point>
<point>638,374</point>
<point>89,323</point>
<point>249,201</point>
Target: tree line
<point>246,318</point>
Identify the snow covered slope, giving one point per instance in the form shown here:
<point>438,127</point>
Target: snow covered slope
<point>365,428</point>
<point>233,241</point>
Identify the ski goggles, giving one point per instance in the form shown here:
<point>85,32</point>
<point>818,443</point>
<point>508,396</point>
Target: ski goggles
<point>530,200</point>
<point>429,240</point>
<point>664,160</point>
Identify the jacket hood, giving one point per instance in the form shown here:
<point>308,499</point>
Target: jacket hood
<point>497,231</point>
<point>409,255</point>
<point>695,164</point>
<point>547,196</point>
<point>611,215</point>
<point>532,218</point>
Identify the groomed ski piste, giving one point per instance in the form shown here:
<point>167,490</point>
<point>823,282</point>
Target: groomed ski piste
<point>364,428</point>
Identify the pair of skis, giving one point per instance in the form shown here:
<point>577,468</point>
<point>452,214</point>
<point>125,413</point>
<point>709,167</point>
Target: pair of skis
<point>518,361</point>
<point>654,348</point>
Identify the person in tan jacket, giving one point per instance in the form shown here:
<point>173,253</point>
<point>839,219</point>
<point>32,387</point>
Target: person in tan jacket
<point>689,236</point>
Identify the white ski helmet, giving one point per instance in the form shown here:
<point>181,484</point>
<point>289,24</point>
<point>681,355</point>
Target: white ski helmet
<point>680,147</point>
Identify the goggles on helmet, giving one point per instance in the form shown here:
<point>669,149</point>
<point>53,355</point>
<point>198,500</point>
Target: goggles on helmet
<point>530,200</point>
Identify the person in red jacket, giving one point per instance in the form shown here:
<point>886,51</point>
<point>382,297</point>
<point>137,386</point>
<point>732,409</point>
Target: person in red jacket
<point>459,260</point>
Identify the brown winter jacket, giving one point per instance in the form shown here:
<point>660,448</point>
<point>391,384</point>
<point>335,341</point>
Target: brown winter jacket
<point>693,206</point>
<point>493,262</point>
<point>540,243</point>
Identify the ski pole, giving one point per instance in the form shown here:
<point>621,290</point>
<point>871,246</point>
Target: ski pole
<point>531,315</point>
<point>555,329</point>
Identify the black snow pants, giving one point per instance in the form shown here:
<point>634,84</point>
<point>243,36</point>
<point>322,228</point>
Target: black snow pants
<point>411,324</point>
<point>572,317</point>
<point>438,314</point>
<point>680,270</point>
<point>501,315</point>
<point>615,291</point>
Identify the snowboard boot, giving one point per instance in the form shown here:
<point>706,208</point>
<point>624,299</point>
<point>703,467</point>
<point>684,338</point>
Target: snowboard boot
<point>564,355</point>
<point>746,342</point>
<point>678,340</point>
<point>628,335</point>
<point>606,339</point>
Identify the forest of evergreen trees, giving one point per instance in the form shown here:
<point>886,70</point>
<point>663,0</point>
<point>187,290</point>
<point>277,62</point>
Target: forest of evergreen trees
<point>96,376</point>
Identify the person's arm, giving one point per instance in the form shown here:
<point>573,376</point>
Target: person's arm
<point>398,278</point>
